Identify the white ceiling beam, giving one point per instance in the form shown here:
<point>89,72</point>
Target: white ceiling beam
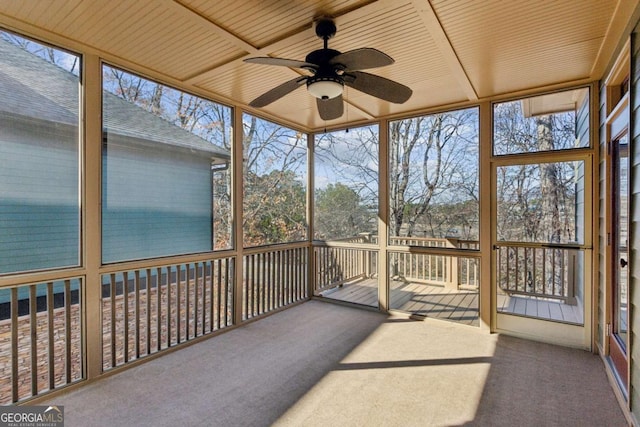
<point>202,21</point>
<point>267,50</point>
<point>617,24</point>
<point>432,24</point>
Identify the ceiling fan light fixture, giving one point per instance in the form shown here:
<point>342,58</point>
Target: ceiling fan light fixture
<point>325,87</point>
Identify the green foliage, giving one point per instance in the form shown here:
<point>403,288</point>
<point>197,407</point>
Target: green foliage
<point>339,212</point>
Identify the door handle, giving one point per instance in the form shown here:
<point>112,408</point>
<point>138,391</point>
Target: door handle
<point>623,263</point>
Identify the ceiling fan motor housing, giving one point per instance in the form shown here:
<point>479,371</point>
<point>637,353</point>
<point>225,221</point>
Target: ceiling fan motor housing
<point>326,83</point>
<point>321,57</point>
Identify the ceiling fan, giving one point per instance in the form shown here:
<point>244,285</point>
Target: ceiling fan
<point>330,71</point>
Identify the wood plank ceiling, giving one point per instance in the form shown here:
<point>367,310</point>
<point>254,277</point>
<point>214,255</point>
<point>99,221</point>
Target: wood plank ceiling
<point>447,51</point>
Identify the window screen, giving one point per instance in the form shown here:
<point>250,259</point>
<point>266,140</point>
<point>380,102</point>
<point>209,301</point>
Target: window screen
<point>39,161</point>
<point>164,154</point>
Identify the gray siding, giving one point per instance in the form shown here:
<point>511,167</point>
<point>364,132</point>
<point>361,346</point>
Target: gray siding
<point>634,216</point>
<point>582,123</point>
<point>602,225</point>
<point>582,133</point>
<point>156,201</point>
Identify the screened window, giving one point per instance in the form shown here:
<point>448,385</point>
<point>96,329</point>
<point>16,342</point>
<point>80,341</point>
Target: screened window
<point>275,183</point>
<point>541,202</point>
<point>165,172</point>
<point>557,121</point>
<point>39,161</point>
<point>346,184</point>
<point>433,179</point>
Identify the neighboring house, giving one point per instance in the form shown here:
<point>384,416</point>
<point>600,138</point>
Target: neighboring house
<point>144,214</point>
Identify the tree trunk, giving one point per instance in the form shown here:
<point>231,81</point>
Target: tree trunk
<point>551,187</point>
<point>156,100</point>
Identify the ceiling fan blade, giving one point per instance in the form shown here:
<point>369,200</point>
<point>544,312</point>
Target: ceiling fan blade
<point>267,60</point>
<point>330,109</point>
<point>377,86</point>
<point>362,59</point>
<point>277,92</point>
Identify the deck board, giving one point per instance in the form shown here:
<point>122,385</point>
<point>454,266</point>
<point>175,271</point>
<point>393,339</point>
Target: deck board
<point>470,305</point>
<point>518,306</point>
<point>458,306</point>
<point>567,313</point>
<point>544,309</point>
<point>554,311</point>
<point>415,298</point>
<point>531,309</point>
<point>539,308</point>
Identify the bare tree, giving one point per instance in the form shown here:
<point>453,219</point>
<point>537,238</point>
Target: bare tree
<point>536,202</point>
<point>433,161</point>
<point>274,193</point>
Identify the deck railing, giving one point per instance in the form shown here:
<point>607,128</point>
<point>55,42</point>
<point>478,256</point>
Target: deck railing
<point>450,271</point>
<point>273,278</point>
<point>447,270</point>
<point>40,338</point>
<point>338,263</point>
<point>144,311</point>
<point>148,310</point>
<point>335,266</point>
<point>538,270</point>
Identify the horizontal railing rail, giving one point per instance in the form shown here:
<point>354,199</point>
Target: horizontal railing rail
<point>41,332</point>
<point>359,238</point>
<point>429,242</point>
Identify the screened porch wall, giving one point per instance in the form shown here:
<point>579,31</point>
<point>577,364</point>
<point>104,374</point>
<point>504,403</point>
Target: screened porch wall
<point>260,280</point>
<point>239,285</point>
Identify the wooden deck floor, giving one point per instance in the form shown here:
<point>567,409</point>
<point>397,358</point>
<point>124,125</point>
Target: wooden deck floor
<point>415,298</point>
<point>459,306</point>
<point>540,308</point>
